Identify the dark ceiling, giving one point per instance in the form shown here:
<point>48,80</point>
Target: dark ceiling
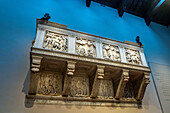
<point>151,10</point>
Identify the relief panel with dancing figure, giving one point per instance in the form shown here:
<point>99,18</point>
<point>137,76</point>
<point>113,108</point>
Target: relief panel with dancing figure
<point>50,83</point>
<point>85,47</point>
<point>133,57</point>
<point>80,86</point>
<point>55,41</point>
<point>111,52</point>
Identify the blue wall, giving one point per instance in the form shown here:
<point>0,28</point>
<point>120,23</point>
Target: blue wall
<point>18,27</point>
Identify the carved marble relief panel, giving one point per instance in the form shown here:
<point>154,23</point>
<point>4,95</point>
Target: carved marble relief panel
<point>55,41</point>
<point>80,86</point>
<point>129,90</point>
<point>133,57</point>
<point>50,83</point>
<point>111,52</point>
<point>85,47</point>
<point>106,89</point>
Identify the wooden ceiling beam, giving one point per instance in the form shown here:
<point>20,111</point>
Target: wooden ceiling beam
<point>153,10</point>
<point>88,2</point>
<point>122,8</point>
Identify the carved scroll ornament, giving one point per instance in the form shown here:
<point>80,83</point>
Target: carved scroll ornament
<point>132,56</point>
<point>85,47</point>
<point>55,41</point>
<point>111,52</point>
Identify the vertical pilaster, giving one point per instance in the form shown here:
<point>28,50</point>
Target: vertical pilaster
<point>122,54</point>
<point>141,53</point>
<point>72,44</point>
<point>39,40</point>
<point>99,49</point>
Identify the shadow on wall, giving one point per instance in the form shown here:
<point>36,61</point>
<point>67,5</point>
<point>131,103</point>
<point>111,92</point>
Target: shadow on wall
<point>28,103</point>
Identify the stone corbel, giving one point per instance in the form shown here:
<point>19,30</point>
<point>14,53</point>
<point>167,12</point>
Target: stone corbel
<point>142,88</point>
<point>35,74</point>
<point>68,77</point>
<point>97,81</point>
<point>122,83</point>
<point>35,64</point>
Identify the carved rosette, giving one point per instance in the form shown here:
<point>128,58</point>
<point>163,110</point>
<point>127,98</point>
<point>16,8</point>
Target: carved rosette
<point>132,56</point>
<point>85,47</point>
<point>55,41</point>
<point>50,84</point>
<point>111,52</point>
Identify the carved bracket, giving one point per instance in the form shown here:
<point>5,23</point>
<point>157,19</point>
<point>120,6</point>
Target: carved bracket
<point>68,78</point>
<point>35,63</point>
<point>70,67</point>
<point>97,81</point>
<point>122,83</point>
<point>142,88</point>
<point>35,68</point>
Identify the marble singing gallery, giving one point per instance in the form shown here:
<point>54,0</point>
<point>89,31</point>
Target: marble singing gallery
<point>85,56</point>
<point>73,67</point>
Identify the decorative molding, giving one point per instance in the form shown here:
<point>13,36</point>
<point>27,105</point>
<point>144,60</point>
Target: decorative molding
<point>111,52</point>
<point>133,56</point>
<point>85,47</point>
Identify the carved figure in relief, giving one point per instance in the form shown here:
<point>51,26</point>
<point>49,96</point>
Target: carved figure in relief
<point>79,86</point>
<point>129,91</point>
<point>133,57</point>
<point>85,47</point>
<point>50,84</point>
<point>55,41</point>
<point>111,52</point>
<point>106,89</point>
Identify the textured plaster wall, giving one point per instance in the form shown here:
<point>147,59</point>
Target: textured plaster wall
<point>17,30</point>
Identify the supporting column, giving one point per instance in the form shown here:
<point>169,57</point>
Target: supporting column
<point>142,88</point>
<point>35,74</point>
<point>68,77</point>
<point>97,81</point>
<point>122,83</point>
